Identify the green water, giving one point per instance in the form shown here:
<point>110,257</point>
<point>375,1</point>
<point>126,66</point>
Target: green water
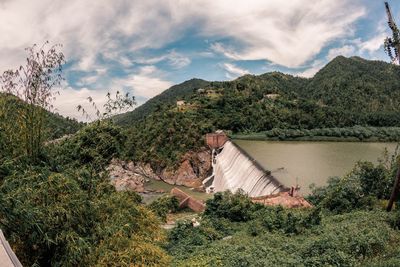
<point>304,163</point>
<point>157,185</point>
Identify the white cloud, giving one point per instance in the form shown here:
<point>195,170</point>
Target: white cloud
<point>287,33</point>
<point>175,60</point>
<point>346,51</point>
<point>88,28</point>
<point>312,70</point>
<point>373,44</point>
<point>226,51</point>
<point>146,83</point>
<point>233,71</point>
<point>68,99</point>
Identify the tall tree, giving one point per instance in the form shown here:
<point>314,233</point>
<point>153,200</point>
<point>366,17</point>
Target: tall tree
<point>393,43</point>
<point>35,84</point>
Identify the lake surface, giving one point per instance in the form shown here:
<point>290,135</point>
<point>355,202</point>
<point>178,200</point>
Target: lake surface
<point>304,163</point>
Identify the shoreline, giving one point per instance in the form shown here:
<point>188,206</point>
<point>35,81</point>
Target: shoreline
<point>313,139</point>
<point>334,134</point>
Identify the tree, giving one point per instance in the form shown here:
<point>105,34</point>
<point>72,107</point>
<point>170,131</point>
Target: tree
<point>113,106</point>
<point>34,83</point>
<point>395,44</point>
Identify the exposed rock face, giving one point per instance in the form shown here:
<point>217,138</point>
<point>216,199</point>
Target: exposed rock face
<point>193,169</point>
<point>128,176</point>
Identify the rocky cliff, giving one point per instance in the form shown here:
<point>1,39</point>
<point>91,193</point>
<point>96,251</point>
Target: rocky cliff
<point>193,169</point>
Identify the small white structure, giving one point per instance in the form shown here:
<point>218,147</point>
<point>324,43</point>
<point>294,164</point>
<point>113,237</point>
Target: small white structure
<point>180,103</point>
<point>272,96</point>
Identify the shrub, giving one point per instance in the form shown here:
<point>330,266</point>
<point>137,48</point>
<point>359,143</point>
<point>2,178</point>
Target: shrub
<point>164,205</point>
<point>235,207</point>
<point>94,145</point>
<point>375,180</point>
<point>342,195</point>
<point>76,219</point>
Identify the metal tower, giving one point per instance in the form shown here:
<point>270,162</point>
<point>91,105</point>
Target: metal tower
<point>392,44</point>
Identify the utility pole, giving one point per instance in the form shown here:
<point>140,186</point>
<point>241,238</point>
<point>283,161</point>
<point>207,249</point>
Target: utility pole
<point>392,45</point>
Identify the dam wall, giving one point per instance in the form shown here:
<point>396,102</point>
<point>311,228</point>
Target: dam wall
<point>234,169</point>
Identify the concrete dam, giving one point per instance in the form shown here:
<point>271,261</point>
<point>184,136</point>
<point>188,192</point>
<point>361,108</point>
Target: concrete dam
<point>234,169</point>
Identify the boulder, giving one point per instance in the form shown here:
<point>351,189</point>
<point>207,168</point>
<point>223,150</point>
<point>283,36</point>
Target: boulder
<point>128,176</point>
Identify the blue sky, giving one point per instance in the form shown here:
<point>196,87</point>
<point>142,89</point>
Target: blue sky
<point>144,47</point>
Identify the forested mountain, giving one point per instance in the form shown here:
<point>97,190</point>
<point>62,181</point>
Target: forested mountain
<point>357,85</point>
<point>345,93</point>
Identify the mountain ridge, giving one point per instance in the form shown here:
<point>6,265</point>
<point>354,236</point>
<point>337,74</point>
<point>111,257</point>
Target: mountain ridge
<point>326,86</point>
<point>347,92</point>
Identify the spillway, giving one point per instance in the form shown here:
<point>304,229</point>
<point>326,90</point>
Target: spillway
<point>234,169</point>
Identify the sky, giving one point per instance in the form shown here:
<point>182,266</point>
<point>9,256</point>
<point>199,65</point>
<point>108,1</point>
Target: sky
<point>144,47</point>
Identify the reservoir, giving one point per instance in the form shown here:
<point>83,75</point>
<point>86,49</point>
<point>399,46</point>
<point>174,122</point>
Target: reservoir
<point>304,163</point>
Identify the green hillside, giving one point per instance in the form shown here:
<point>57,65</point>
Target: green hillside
<point>347,92</point>
<point>55,125</point>
<point>357,85</point>
<point>167,97</point>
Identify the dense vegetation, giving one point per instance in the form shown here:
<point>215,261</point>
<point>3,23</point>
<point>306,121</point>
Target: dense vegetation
<point>356,133</point>
<point>55,126</point>
<point>350,98</point>
<point>69,215</point>
<point>64,212</point>
<point>57,205</point>
<point>347,227</point>
<point>59,209</point>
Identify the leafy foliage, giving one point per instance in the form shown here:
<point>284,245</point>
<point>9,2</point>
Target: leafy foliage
<point>119,103</point>
<point>168,97</point>
<point>163,139</point>
<point>273,236</point>
<point>360,189</point>
<point>34,83</point>
<point>94,145</point>
<point>75,218</point>
<point>235,207</point>
<point>164,205</point>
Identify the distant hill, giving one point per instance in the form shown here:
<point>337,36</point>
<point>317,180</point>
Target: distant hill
<point>55,124</point>
<point>357,84</point>
<point>167,97</point>
<point>346,92</point>
<point>366,91</point>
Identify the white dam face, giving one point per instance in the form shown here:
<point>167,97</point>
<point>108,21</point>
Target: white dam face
<point>234,170</point>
